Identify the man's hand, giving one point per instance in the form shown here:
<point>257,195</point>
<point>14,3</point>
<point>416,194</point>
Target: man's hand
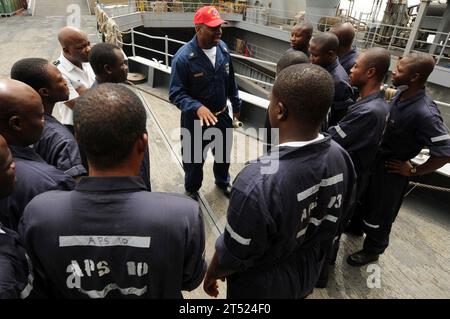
<point>70,104</point>
<point>399,167</point>
<point>210,285</point>
<point>206,116</point>
<point>81,89</point>
<point>236,115</point>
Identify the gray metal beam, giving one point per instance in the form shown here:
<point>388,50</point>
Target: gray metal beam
<point>415,28</point>
<point>275,33</point>
<point>443,27</point>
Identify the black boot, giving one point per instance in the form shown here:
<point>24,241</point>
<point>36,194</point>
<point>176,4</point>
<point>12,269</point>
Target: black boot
<point>324,274</point>
<point>362,258</point>
<point>193,195</point>
<point>226,190</point>
<point>353,230</point>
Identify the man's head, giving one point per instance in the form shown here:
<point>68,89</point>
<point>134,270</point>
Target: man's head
<point>371,65</point>
<point>21,113</point>
<point>208,28</point>
<point>7,169</point>
<point>323,49</point>
<point>109,122</point>
<point>291,58</point>
<point>301,97</point>
<point>345,33</point>
<point>108,62</point>
<point>43,77</point>
<point>75,44</point>
<point>413,69</point>
<point>300,36</point>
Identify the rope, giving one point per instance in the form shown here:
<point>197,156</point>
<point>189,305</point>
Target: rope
<point>435,188</point>
<point>147,91</point>
<point>108,27</point>
<point>126,32</point>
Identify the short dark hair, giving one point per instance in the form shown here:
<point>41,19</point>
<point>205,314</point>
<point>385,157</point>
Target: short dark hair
<point>31,71</point>
<point>291,58</point>
<point>308,26</point>
<point>307,91</point>
<point>108,120</point>
<point>380,59</point>
<point>101,54</point>
<point>326,41</point>
<point>345,33</point>
<point>422,63</point>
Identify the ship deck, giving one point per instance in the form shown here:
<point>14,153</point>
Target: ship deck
<point>416,264</point>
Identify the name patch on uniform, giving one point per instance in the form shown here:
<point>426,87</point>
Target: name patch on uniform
<point>104,241</point>
<point>198,75</point>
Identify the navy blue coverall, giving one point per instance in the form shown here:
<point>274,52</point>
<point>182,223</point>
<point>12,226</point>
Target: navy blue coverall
<point>348,60</point>
<point>16,279</point>
<point>110,238</point>
<point>343,93</point>
<point>34,176</point>
<point>285,210</point>
<point>58,147</point>
<point>414,123</point>
<point>366,118</point>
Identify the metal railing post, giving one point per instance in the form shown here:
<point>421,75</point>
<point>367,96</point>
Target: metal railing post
<point>392,38</point>
<point>166,42</point>
<point>132,42</point>
<point>443,48</point>
<point>373,38</point>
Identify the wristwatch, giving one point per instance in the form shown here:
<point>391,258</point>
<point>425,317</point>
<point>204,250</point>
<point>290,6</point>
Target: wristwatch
<point>413,171</point>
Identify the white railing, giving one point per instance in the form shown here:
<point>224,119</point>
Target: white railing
<point>167,55</point>
<point>394,37</point>
<point>254,50</point>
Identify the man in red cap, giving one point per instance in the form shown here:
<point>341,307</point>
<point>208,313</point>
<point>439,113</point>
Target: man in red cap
<point>201,81</point>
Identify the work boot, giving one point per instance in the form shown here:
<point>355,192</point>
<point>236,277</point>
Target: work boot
<point>322,282</point>
<point>353,231</point>
<point>361,258</point>
<point>226,190</point>
<point>193,195</point>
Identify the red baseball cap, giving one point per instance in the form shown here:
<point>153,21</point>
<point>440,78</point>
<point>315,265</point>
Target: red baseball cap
<point>209,16</point>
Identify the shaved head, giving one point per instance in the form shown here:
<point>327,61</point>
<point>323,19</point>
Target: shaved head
<point>300,36</point>
<point>323,49</point>
<point>378,58</point>
<point>21,113</point>
<point>326,41</point>
<point>306,26</point>
<point>370,68</point>
<point>16,97</point>
<point>291,58</point>
<point>345,33</point>
<point>68,35</point>
<point>421,63</point>
<point>75,45</point>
